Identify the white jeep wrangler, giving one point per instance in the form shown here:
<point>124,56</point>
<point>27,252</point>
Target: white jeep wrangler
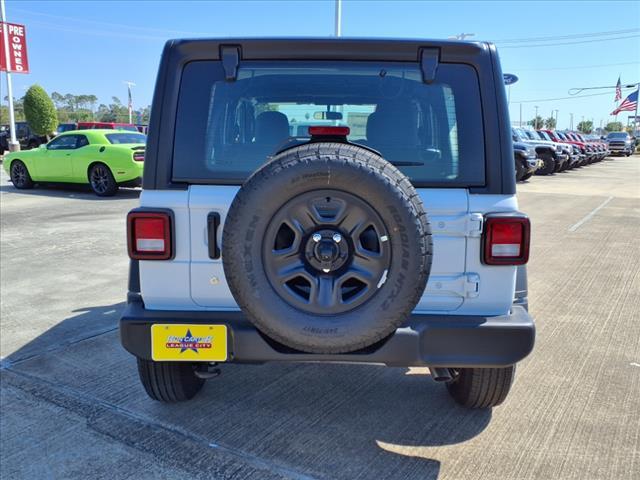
<point>383,230</point>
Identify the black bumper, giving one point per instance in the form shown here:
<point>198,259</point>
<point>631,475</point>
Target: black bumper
<point>426,340</point>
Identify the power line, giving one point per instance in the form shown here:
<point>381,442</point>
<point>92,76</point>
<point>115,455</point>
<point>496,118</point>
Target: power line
<point>573,68</point>
<point>566,37</point>
<point>569,43</point>
<point>561,98</point>
<point>84,21</point>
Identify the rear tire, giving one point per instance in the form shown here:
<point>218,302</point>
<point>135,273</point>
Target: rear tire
<point>519,171</point>
<point>169,382</point>
<point>481,387</point>
<point>101,180</point>
<point>20,175</point>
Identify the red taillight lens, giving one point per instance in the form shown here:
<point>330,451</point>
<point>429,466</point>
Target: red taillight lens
<point>149,235</point>
<point>506,240</point>
<point>138,156</point>
<point>329,131</point>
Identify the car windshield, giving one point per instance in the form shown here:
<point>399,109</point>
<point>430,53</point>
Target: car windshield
<point>544,135</point>
<point>126,138</point>
<point>620,135</point>
<point>226,130</point>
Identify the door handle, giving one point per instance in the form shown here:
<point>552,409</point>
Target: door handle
<point>213,222</point>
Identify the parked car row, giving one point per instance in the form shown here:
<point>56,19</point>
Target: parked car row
<point>543,152</point>
<point>28,139</point>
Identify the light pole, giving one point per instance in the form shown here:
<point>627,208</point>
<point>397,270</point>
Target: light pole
<point>338,25</point>
<point>130,100</point>
<point>14,145</point>
<point>556,117</point>
<point>571,121</point>
<point>535,121</point>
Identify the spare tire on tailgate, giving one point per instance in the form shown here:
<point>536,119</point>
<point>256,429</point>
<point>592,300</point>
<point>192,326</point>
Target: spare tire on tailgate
<point>327,248</point>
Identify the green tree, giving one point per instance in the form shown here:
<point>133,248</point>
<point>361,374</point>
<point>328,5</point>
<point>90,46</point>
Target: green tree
<point>18,109</point>
<point>550,123</point>
<point>40,111</point>
<point>586,126</point>
<point>613,127</point>
<point>536,122</point>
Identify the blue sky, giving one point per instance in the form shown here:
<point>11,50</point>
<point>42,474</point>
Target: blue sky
<point>91,47</point>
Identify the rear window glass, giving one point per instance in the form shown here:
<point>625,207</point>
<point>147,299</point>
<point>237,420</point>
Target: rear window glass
<point>126,137</point>
<point>226,130</point>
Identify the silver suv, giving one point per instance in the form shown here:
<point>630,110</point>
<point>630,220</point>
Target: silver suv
<point>620,143</point>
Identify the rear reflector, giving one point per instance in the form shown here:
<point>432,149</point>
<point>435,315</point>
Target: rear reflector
<point>149,235</point>
<point>329,131</point>
<point>506,240</point>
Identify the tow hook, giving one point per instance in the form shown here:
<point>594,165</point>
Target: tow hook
<point>207,371</point>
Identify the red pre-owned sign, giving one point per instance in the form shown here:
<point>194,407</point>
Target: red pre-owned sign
<point>17,36</point>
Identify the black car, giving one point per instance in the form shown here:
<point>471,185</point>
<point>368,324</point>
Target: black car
<point>24,135</point>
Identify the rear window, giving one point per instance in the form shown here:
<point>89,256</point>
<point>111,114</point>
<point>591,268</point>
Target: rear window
<point>126,137</point>
<point>226,130</point>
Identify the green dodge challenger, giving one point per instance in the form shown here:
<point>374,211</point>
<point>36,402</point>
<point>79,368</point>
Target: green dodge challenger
<point>105,159</point>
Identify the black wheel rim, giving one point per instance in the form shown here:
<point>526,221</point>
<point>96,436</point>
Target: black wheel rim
<point>326,252</point>
<point>18,174</point>
<point>100,179</point>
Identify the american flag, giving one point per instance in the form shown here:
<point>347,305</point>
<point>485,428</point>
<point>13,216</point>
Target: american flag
<point>618,91</point>
<point>628,104</point>
<point>130,100</point>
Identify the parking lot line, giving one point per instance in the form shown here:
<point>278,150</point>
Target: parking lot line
<point>574,227</point>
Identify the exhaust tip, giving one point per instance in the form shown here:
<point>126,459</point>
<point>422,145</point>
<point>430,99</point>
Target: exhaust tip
<point>441,374</point>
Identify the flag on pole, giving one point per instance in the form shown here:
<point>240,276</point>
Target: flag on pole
<point>618,91</point>
<point>628,104</point>
<point>130,100</point>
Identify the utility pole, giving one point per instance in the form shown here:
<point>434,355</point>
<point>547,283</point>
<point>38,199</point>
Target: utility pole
<point>571,122</point>
<point>536,119</point>
<point>520,116</point>
<point>14,145</point>
<point>338,25</point>
<point>556,110</point>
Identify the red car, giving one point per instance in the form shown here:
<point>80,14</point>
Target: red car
<point>111,125</point>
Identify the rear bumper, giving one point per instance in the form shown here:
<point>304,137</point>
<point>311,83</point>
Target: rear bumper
<point>426,340</point>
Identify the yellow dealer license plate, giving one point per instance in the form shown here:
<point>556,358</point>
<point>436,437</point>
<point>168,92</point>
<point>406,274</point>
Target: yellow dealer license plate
<point>203,343</point>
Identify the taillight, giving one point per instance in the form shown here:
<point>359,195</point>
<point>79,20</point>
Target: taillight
<point>138,156</point>
<point>506,240</point>
<point>149,235</point>
<point>329,131</point>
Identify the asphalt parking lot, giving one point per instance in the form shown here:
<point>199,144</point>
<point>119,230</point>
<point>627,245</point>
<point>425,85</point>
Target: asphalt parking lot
<point>71,405</point>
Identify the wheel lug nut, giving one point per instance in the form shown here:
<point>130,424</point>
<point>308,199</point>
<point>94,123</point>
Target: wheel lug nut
<point>337,237</point>
<point>316,237</point>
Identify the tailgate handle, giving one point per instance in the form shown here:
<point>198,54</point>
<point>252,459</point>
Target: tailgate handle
<point>213,222</point>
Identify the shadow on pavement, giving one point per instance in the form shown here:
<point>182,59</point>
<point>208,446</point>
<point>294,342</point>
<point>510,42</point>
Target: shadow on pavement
<point>75,191</point>
<point>321,420</point>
